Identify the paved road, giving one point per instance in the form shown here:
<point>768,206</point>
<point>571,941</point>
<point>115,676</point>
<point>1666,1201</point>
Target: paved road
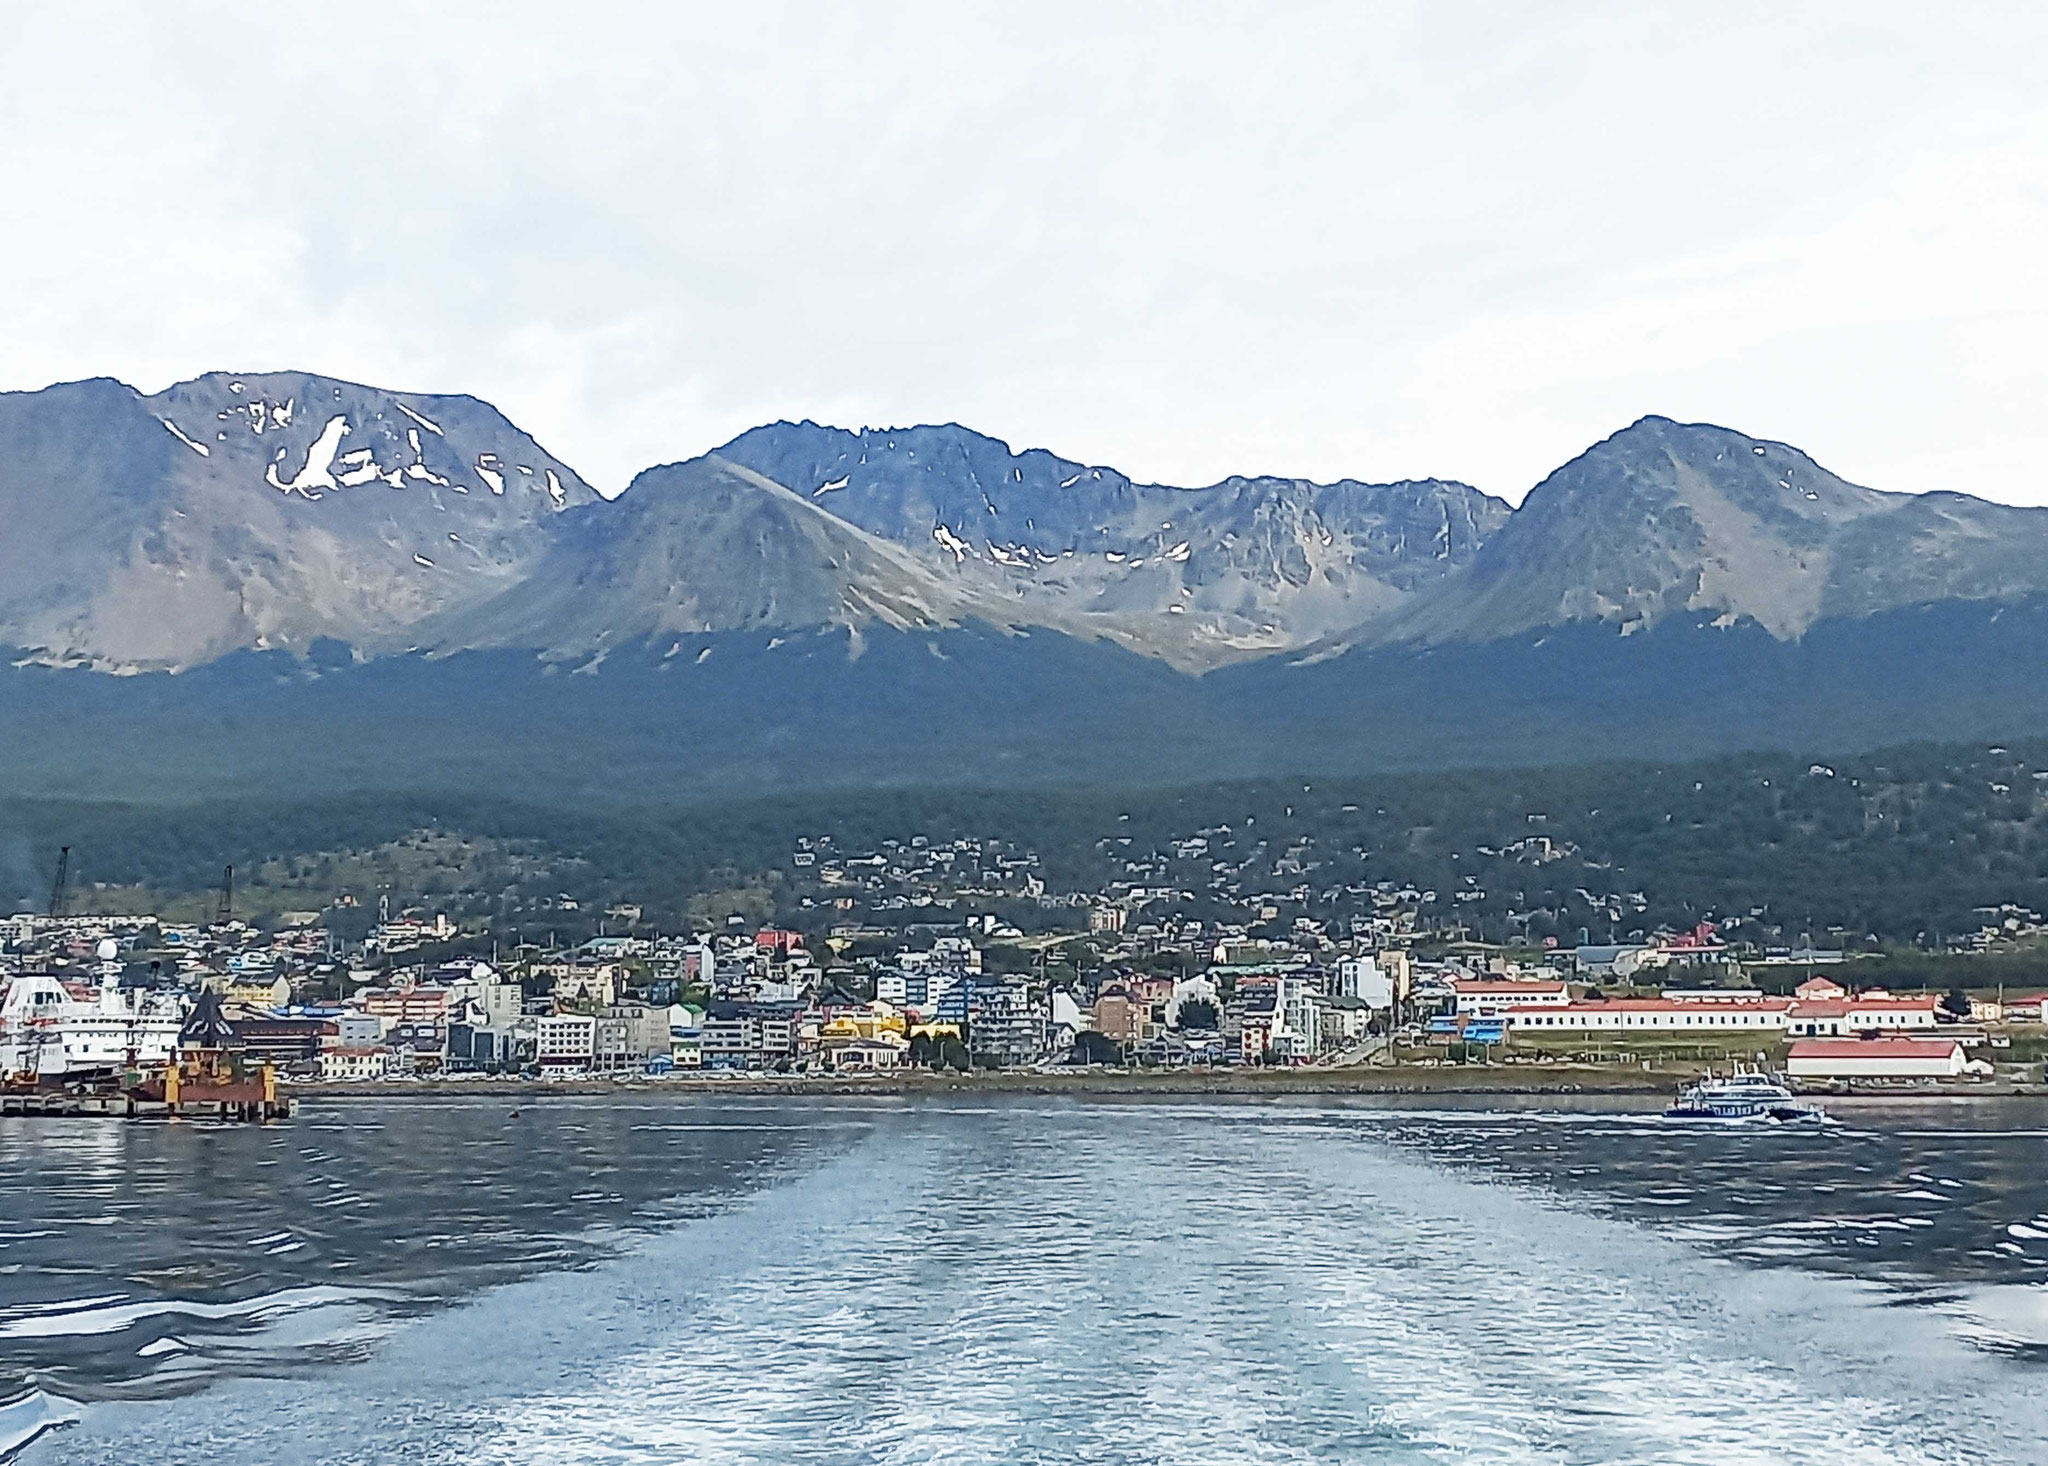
<point>1365,1051</point>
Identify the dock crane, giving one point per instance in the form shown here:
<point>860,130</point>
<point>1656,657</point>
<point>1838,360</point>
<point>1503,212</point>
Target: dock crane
<point>226,912</point>
<point>59,887</point>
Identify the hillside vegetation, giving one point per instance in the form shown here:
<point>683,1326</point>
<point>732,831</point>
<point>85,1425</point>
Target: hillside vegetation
<point>1910,844</point>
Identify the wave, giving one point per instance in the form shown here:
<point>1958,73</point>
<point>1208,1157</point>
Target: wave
<point>29,1419</point>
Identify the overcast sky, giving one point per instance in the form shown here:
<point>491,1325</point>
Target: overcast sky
<point>1463,240</point>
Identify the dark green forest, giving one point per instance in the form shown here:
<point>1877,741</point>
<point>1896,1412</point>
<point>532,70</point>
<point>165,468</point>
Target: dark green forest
<point>1904,845</point>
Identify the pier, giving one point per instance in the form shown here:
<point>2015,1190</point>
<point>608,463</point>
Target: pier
<point>123,1106</point>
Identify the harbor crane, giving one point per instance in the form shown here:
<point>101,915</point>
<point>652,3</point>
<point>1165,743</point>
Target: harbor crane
<point>59,886</point>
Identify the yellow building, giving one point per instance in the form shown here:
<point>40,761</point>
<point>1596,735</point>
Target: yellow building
<point>880,1019</point>
<point>251,992</point>
<point>843,1049</point>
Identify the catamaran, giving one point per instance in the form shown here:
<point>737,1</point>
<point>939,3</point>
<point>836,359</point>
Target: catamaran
<point>1751,1096</point>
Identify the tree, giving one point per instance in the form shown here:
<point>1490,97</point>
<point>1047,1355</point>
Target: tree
<point>1197,1013</point>
<point>1096,1048</point>
<point>1956,1003</point>
<point>350,924</point>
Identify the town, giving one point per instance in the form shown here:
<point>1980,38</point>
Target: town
<point>955,957</point>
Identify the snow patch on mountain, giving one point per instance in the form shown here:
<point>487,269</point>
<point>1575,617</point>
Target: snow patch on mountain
<point>200,448</point>
<point>317,473</point>
<point>428,424</point>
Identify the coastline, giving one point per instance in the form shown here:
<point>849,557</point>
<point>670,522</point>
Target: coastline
<point>1524,1081</point>
<point>1529,1080</point>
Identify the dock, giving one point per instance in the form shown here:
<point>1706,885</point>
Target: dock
<point>121,1106</point>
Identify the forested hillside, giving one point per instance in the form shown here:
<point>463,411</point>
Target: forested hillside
<point>1906,844</point>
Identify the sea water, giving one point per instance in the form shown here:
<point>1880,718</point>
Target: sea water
<point>600,1280</point>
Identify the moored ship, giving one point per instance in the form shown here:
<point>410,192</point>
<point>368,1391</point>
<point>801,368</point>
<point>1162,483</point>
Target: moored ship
<point>54,1032</point>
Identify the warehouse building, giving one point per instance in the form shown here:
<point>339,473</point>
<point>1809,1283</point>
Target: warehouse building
<point>1875,1058</point>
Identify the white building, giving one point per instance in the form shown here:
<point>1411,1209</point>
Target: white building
<point>1364,979</point>
<point>354,1030</point>
<point>498,1002</point>
<point>1492,995</point>
<point>1866,1013</point>
<point>1654,1015</point>
<point>1064,1018</point>
<point>1875,1058</point>
<point>1294,1023</point>
<point>566,1042</point>
<point>354,1062</point>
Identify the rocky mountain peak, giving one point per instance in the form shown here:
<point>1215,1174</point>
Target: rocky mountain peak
<point>259,510</point>
<point>1667,518</point>
<point>1199,576</point>
<point>316,437</point>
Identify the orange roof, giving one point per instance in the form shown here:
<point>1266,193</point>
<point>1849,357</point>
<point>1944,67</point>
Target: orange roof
<point>1842,1007</point>
<point>1686,1006</point>
<point>1682,1005</point>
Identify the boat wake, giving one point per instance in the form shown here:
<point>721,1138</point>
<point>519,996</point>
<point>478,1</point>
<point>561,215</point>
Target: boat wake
<point>33,1416</point>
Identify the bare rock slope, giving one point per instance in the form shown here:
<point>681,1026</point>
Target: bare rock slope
<point>258,511</point>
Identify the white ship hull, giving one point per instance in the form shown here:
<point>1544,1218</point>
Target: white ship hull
<point>47,1032</point>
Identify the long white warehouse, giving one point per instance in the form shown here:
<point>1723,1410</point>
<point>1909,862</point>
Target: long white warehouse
<point>1875,1058</point>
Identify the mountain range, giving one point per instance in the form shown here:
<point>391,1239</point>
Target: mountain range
<point>195,579</point>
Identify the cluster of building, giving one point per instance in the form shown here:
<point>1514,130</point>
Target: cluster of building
<point>730,1001</point>
<point>1827,1031</point>
<point>1116,984</point>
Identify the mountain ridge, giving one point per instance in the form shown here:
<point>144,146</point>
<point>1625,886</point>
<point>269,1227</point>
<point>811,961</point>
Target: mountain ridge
<point>334,523</point>
<point>323,584</point>
<point>1249,566</point>
<point>260,511</point>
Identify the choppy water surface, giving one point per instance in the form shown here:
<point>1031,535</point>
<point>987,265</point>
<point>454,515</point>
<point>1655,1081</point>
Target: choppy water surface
<point>1013,1280</point>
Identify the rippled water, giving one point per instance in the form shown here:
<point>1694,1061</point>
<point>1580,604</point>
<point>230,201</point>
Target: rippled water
<point>676,1279</point>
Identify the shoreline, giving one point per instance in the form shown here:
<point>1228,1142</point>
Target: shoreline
<point>1082,1082</point>
<point>1531,1082</point>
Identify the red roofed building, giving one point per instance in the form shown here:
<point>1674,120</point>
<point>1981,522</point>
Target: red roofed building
<point>1875,1058</point>
<point>1656,1015</point>
<point>2026,1010</point>
<point>1697,947</point>
<point>1820,987</point>
<point>1871,1012</point>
